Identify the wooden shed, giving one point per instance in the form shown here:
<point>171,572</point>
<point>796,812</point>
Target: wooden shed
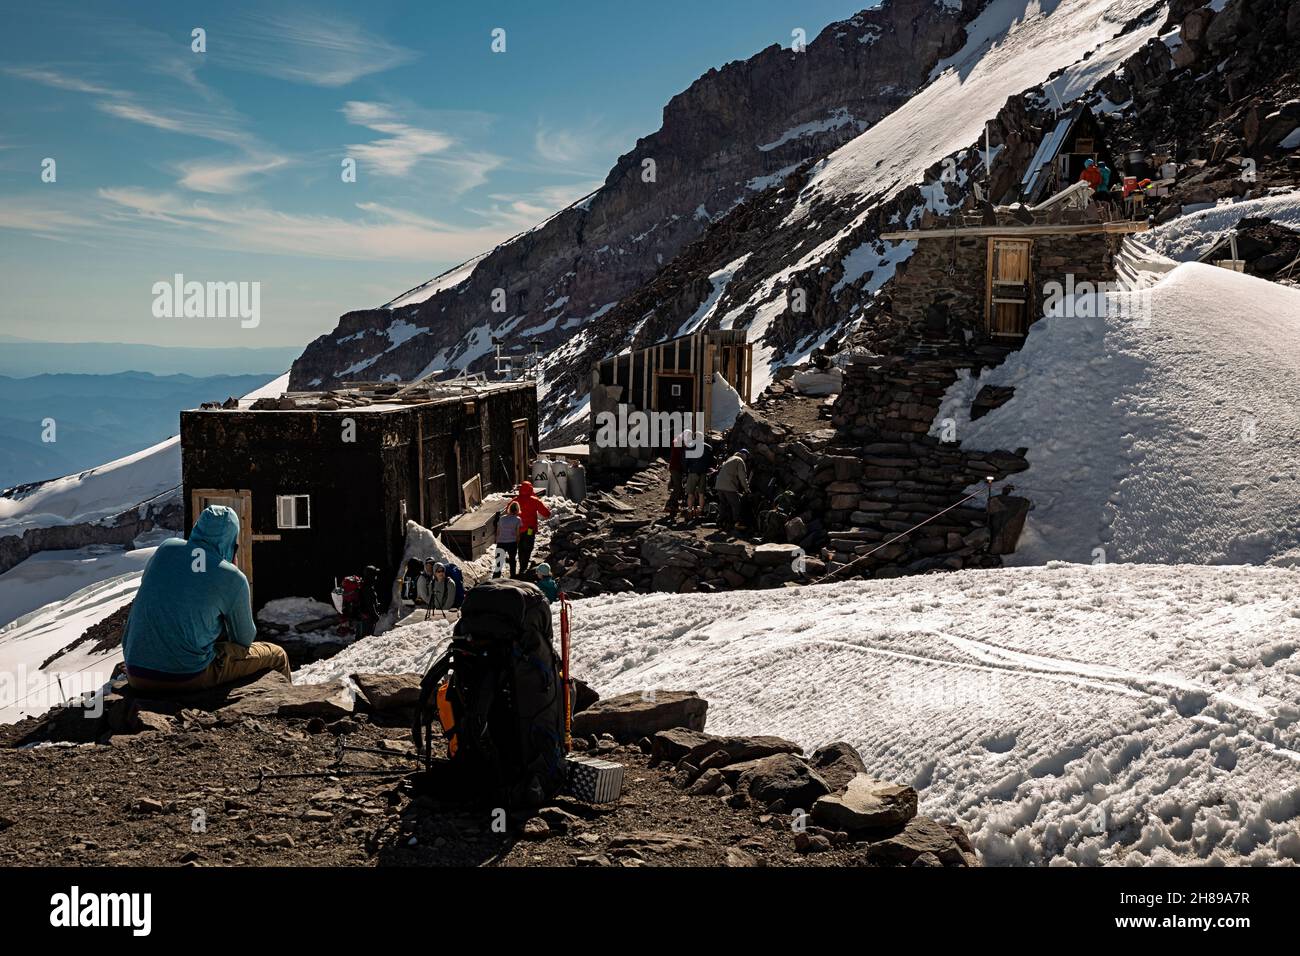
<point>325,482</point>
<point>676,376</point>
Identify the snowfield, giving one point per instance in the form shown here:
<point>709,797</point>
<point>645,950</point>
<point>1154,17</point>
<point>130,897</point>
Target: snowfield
<point>1166,431</point>
<point>1072,714</point>
<point>96,493</point>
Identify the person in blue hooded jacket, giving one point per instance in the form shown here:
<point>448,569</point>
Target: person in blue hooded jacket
<point>191,625</point>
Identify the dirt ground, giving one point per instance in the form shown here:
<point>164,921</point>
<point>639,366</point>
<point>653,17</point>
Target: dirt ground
<point>209,796</point>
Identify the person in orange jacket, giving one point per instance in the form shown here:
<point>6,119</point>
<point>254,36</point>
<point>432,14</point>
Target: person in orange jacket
<point>530,506</point>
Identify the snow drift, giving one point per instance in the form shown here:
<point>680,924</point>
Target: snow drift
<point>1124,714</point>
<point>1166,431</point>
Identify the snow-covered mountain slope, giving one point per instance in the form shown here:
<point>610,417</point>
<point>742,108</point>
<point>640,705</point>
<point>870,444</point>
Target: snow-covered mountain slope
<point>51,576</point>
<point>1011,46</point>
<point>1187,237</point>
<point>95,493</point>
<point>1124,714</point>
<point>1166,431</point>
<point>818,232</point>
<point>28,689</point>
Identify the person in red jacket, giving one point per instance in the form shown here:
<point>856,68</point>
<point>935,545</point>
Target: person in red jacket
<point>1091,175</point>
<point>530,506</point>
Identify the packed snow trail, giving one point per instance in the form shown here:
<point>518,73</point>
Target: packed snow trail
<point>1167,431</point>
<point>1068,714</point>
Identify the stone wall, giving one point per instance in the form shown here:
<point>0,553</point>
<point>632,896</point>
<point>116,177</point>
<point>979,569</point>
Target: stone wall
<point>941,289</point>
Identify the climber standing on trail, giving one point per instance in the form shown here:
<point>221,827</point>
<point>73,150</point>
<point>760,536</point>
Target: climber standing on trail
<point>530,506</point>
<point>731,483</point>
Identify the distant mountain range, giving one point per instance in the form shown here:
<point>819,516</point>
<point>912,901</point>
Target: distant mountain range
<point>21,357</point>
<point>97,418</point>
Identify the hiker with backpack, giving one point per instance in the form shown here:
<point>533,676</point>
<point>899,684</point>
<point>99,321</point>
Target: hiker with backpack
<point>731,483</point>
<point>699,461</point>
<point>508,528</point>
<point>191,625</point>
<point>530,506</point>
<point>677,474</point>
<point>366,608</point>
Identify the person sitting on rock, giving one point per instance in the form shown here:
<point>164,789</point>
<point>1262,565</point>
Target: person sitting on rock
<point>442,592</point>
<point>191,625</point>
<point>550,587</point>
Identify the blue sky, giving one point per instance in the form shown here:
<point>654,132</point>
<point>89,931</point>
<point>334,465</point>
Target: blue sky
<point>225,165</point>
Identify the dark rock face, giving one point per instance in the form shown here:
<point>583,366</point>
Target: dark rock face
<point>734,132</point>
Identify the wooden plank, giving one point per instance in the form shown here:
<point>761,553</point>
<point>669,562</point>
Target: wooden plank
<point>1119,226</point>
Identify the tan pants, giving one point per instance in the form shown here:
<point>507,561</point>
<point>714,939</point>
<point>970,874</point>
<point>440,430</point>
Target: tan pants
<point>232,662</point>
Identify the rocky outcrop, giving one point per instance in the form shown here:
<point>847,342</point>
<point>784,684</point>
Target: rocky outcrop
<point>731,134</point>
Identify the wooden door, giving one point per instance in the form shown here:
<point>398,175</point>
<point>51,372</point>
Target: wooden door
<point>520,452</point>
<point>1008,299</point>
<point>241,502</point>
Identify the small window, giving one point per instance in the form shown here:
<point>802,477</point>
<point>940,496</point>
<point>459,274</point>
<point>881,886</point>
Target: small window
<point>293,511</point>
<point>677,391</point>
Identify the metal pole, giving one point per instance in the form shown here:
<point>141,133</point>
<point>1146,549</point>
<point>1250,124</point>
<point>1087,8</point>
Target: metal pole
<point>567,683</point>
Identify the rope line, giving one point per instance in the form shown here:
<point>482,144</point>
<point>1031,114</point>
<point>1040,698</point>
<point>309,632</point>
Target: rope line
<point>840,570</point>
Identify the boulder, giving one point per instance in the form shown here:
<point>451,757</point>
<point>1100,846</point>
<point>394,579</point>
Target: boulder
<point>698,748</point>
<point>866,803</point>
<point>783,777</point>
<point>387,692</point>
<point>629,717</point>
<point>273,696</point>
<point>771,555</point>
<point>920,835</point>
<point>838,763</point>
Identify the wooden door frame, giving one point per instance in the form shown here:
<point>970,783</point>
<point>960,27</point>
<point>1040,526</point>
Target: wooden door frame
<point>244,557</point>
<point>518,427</point>
<point>989,313</point>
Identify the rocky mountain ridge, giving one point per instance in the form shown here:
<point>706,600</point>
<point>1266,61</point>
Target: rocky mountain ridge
<point>731,134</point>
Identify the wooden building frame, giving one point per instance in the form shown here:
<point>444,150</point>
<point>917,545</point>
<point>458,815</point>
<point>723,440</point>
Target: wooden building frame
<point>689,359</point>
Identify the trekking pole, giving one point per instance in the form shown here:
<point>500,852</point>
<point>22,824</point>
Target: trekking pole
<point>564,663</point>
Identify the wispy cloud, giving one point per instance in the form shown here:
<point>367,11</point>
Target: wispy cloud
<point>226,176</point>
<point>584,147</point>
<point>305,47</point>
<point>123,104</point>
<point>403,146</point>
<point>525,211</point>
<point>380,233</point>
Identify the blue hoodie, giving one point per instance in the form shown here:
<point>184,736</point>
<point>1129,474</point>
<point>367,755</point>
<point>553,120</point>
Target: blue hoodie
<point>180,611</point>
